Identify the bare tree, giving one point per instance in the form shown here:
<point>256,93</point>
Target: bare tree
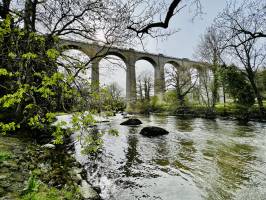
<point>140,90</point>
<point>244,19</point>
<point>183,80</point>
<point>115,91</point>
<point>210,50</point>
<point>245,49</point>
<point>145,86</point>
<point>205,87</point>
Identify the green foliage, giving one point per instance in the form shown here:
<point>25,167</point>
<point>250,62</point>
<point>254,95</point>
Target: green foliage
<point>52,54</point>
<point>92,142</point>
<point>32,185</point>
<point>237,86</point>
<point>113,132</point>
<point>4,72</point>
<point>50,193</point>
<point>31,88</point>
<point>261,81</point>
<point>152,105</point>
<point>8,127</point>
<point>29,56</point>
<point>4,155</point>
<point>10,100</point>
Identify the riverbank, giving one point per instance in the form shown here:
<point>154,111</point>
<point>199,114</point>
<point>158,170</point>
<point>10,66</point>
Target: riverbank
<point>228,111</point>
<point>31,170</point>
<point>225,114</point>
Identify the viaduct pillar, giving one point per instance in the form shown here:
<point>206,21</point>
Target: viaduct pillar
<point>131,94</point>
<point>95,76</point>
<point>159,80</point>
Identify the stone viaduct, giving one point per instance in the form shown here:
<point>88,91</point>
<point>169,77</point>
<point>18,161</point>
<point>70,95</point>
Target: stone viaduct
<point>130,57</point>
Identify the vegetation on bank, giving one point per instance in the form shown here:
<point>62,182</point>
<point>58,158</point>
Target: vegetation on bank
<point>228,110</point>
<point>43,192</point>
<point>229,94</point>
<point>5,155</point>
<point>31,171</point>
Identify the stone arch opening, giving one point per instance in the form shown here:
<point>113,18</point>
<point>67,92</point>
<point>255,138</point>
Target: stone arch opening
<point>68,47</point>
<point>181,80</point>
<point>114,54</point>
<point>112,70</point>
<point>170,71</point>
<point>173,63</point>
<point>145,73</point>
<point>147,59</point>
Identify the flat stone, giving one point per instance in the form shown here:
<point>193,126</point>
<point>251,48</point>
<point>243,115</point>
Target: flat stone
<point>87,192</point>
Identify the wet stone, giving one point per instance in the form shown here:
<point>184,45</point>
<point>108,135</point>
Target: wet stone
<point>48,146</point>
<point>152,131</point>
<point>131,122</point>
<point>87,192</point>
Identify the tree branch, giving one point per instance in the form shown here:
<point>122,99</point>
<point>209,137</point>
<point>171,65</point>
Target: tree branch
<point>162,24</point>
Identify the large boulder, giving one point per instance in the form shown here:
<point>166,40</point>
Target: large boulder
<point>131,122</point>
<point>152,131</point>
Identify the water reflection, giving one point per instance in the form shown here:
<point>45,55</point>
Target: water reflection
<point>162,152</point>
<point>244,131</point>
<point>158,120</point>
<point>187,150</point>
<point>232,163</point>
<point>210,125</point>
<point>132,153</point>
<point>184,125</point>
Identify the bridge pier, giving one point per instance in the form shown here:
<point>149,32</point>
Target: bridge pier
<point>159,81</point>
<point>95,75</point>
<point>131,94</point>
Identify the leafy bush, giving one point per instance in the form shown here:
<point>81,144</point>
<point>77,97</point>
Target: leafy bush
<point>237,86</point>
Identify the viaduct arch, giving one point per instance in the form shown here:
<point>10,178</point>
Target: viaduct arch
<point>130,57</point>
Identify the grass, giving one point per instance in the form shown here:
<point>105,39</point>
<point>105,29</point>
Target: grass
<point>4,155</point>
<point>37,190</point>
<point>46,193</point>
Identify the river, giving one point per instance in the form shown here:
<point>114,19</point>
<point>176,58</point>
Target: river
<point>198,159</point>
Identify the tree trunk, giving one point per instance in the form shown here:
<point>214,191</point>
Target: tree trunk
<point>224,97</point>
<point>30,15</point>
<point>181,99</point>
<point>4,8</point>
<point>215,83</point>
<point>251,78</point>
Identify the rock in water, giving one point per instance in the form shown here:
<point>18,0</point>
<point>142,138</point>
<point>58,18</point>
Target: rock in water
<point>48,146</point>
<point>152,131</point>
<point>87,192</point>
<point>131,122</point>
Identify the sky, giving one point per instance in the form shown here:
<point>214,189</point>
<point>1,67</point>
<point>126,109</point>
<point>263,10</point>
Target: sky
<point>181,44</point>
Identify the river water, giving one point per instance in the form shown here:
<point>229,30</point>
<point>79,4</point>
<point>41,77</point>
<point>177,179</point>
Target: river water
<point>198,159</point>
